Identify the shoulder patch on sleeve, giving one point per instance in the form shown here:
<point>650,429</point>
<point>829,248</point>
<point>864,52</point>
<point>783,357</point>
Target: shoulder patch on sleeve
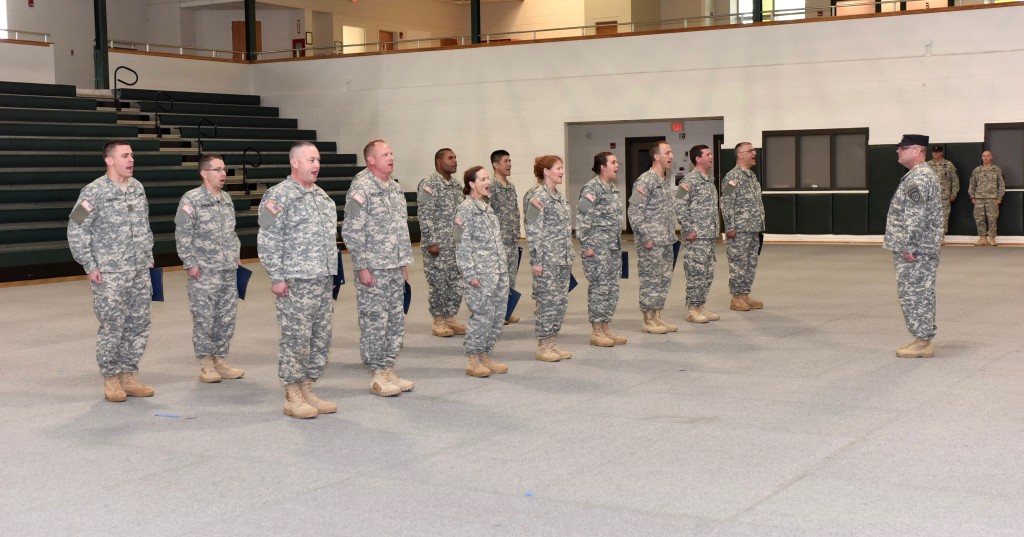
<point>590,196</point>
<point>458,220</point>
<point>273,207</point>
<point>359,198</point>
<point>914,194</point>
<point>536,202</point>
<point>732,182</point>
<point>685,186</point>
<point>188,209</point>
<point>82,211</point>
<point>427,189</point>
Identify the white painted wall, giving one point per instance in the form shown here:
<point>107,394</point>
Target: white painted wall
<point>27,63</point>
<point>172,73</point>
<point>531,15</point>
<point>64,20</point>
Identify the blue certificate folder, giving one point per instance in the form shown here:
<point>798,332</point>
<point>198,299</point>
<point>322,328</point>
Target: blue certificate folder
<point>339,278</point>
<point>156,277</point>
<point>243,275</point>
<point>572,282</point>
<point>407,299</point>
<point>625,265</point>
<point>675,253</point>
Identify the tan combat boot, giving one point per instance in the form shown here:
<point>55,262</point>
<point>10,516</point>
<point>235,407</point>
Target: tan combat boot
<point>694,315</point>
<point>992,241</point>
<point>651,326</point>
<point>668,326</point>
<point>381,385</point>
<point>474,368</point>
<point>737,303</point>
<point>133,388</point>
<point>294,405</point>
<point>982,241</point>
<point>545,353</point>
<point>554,346</point>
<point>404,385</point>
<point>440,329</point>
<point>226,370</point>
<point>112,389</point>
<point>455,326</point>
<point>598,337</point>
<point>512,319</point>
<point>311,399</point>
<point>918,348</point>
<point>495,367</point>
<point>207,371</point>
<point>754,304</point>
<point>617,339</point>
<point>712,316</point>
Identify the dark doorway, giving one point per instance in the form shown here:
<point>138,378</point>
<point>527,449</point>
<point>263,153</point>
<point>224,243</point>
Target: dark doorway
<point>638,160</point>
<point>717,141</point>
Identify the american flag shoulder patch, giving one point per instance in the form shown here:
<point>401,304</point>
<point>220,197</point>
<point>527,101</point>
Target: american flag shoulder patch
<point>536,202</point>
<point>273,207</point>
<point>427,189</point>
<point>641,189</point>
<point>87,205</point>
<point>458,220</point>
<point>360,199</point>
<point>685,186</point>
<point>732,182</point>
<point>189,210</point>
<point>590,196</point>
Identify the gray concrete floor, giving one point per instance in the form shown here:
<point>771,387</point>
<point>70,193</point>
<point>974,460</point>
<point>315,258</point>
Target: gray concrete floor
<point>794,420</point>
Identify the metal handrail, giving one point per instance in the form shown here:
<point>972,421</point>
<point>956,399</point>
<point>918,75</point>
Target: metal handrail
<point>246,163</point>
<point>199,134</point>
<point>157,108</point>
<point>117,90</point>
<point>6,32</point>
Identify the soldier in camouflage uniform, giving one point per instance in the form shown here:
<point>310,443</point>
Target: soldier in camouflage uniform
<point>481,258</point>
<point>109,235</point>
<point>653,218</point>
<point>297,245</point>
<point>697,206</point>
<point>949,184</point>
<point>438,196</point>
<point>913,230</point>
<point>376,232</point>
<point>204,234</point>
<point>549,237</point>
<point>599,215</point>
<point>743,216</point>
<point>505,203</point>
<point>986,190</point>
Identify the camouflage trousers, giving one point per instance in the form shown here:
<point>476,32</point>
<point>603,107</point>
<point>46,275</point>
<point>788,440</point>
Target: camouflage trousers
<point>444,283</point>
<point>487,312</point>
<point>655,271</point>
<point>946,209</point>
<point>915,286</point>
<point>122,305</point>
<point>551,293</point>
<point>699,266</point>
<point>213,301</point>
<point>742,253</point>
<point>986,216</point>
<point>305,317</point>
<point>603,271</point>
<point>381,319</point>
<point>512,251</point>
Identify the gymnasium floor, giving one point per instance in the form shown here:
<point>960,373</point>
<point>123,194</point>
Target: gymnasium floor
<point>796,420</point>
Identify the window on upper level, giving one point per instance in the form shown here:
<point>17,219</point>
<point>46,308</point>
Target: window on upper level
<point>779,10</point>
<point>833,159</point>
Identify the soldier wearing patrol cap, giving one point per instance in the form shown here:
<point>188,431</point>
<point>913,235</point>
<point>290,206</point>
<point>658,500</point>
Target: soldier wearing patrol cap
<point>913,230</point>
<point>949,183</point>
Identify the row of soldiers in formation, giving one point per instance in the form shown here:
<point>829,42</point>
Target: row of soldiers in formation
<point>986,189</point>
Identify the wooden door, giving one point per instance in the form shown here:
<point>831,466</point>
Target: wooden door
<point>386,40</point>
<point>238,38</point>
<point>638,161</point>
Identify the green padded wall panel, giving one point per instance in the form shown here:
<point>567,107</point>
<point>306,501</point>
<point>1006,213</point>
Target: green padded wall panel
<point>850,214</point>
<point>1011,214</point>
<point>965,157</point>
<point>780,213</point>
<point>884,174</point>
<point>814,214</point>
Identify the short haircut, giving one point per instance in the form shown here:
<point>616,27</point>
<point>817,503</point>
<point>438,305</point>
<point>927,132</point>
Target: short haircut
<point>205,159</point>
<point>601,159</point>
<point>469,177</point>
<point>656,147</point>
<point>496,155</point>
<point>440,153</point>
<point>108,148</point>
<point>741,144</point>
<point>296,147</point>
<point>696,151</point>
<point>545,162</point>
<point>369,147</point>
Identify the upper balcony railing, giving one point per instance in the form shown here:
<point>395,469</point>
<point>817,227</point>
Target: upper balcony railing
<point>24,35</point>
<point>841,9</point>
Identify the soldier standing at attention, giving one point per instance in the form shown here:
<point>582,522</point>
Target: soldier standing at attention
<point>438,197</point>
<point>481,258</point>
<point>109,235</point>
<point>986,190</point>
<point>549,237</point>
<point>949,184</point>
<point>297,245</point>
<point>653,220</point>
<point>204,234</point>
<point>505,203</point>
<point>697,205</point>
<point>599,219</point>
<point>376,232</point>
<point>743,215</point>
<point>913,230</point>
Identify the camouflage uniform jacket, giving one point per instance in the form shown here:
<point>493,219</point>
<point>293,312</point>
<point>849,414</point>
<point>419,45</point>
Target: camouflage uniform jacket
<point>438,199</point>
<point>987,183</point>
<point>650,210</point>
<point>548,230</point>
<point>742,209</point>
<point>914,223</point>
<point>505,202</point>
<point>376,225</point>
<point>949,181</point>
<point>298,232</point>
<point>697,205</point>
<point>109,228</point>
<point>478,249</point>
<point>204,230</point>
<point>599,216</point>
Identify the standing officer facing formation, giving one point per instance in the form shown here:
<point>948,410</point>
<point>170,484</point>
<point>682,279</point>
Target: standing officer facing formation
<point>949,183</point>
<point>109,235</point>
<point>376,232</point>
<point>438,197</point>
<point>654,227</point>
<point>743,216</point>
<point>697,205</point>
<point>297,245</point>
<point>204,234</point>
<point>986,190</point>
<point>505,203</point>
<point>481,258</point>
<point>913,230</point>
<point>599,215</point>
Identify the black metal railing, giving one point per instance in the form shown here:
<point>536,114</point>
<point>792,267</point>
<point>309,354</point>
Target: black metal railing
<point>245,164</point>
<point>117,90</point>
<point>200,136</point>
<point>158,106</point>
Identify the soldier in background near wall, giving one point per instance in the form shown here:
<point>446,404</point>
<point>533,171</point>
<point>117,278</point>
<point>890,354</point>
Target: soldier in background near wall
<point>505,203</point>
<point>743,216</point>
<point>949,184</point>
<point>438,197</point>
<point>697,205</point>
<point>986,190</point>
